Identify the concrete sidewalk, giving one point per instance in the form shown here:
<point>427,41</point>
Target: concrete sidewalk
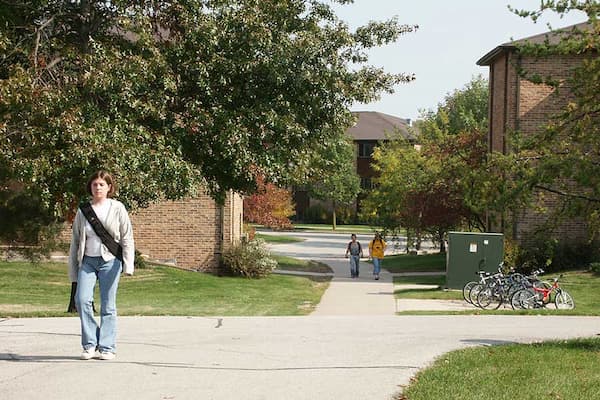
<point>356,296</point>
<point>252,358</point>
<point>347,296</point>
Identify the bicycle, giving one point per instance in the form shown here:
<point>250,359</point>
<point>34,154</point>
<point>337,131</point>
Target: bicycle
<point>483,276</point>
<point>540,296</point>
<point>498,290</point>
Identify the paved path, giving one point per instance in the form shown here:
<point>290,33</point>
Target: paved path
<point>347,296</point>
<point>329,357</point>
<point>292,358</point>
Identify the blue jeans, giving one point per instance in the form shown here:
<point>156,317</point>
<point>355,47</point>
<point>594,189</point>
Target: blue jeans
<point>108,273</point>
<point>376,265</point>
<point>354,262</point>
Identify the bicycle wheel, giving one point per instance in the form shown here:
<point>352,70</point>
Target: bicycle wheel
<point>466,289</point>
<point>489,298</point>
<point>514,288</point>
<point>473,294</point>
<point>564,301</point>
<point>523,299</point>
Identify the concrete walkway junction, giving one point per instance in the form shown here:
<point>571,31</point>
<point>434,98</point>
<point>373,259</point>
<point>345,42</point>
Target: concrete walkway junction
<point>351,347</point>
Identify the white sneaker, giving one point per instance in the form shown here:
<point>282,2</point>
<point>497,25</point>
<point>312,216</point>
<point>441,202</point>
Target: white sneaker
<point>106,355</point>
<point>88,354</point>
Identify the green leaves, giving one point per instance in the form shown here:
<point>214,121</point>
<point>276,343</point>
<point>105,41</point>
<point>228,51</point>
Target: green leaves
<point>437,185</point>
<point>172,95</point>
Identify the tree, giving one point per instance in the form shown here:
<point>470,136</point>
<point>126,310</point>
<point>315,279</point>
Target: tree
<point>435,186</point>
<point>269,205</point>
<point>463,110</point>
<point>171,94</point>
<point>339,184</point>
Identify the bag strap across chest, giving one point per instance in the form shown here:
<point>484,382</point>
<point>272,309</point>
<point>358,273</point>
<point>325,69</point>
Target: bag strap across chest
<point>107,240</point>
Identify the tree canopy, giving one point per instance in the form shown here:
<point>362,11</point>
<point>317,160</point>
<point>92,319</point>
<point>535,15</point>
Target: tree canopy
<point>171,94</point>
<point>340,183</point>
<point>433,187</point>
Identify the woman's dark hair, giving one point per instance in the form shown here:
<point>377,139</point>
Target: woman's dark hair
<point>106,177</point>
<point>352,235</point>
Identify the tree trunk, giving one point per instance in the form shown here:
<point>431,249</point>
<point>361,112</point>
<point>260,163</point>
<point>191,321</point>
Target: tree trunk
<point>333,217</point>
<point>442,242</point>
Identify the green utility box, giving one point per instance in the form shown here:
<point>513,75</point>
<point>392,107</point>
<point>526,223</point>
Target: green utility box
<point>470,252</point>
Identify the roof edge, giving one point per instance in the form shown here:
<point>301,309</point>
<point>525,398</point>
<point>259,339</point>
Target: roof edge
<point>489,56</point>
<point>553,35</point>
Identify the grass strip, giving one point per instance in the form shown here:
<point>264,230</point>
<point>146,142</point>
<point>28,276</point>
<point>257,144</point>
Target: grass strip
<point>415,263</point>
<point>294,264</point>
<point>550,370</point>
<point>582,285</point>
<point>363,229</point>
<point>42,290</point>
<point>277,239</point>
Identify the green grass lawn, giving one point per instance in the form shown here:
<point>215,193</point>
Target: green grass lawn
<point>415,263</point>
<point>583,286</point>
<point>358,229</point>
<point>551,370</point>
<point>294,264</point>
<point>28,290</point>
<point>277,238</point>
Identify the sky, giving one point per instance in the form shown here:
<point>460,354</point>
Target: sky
<point>443,52</point>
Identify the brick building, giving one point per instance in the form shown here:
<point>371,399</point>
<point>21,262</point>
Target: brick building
<point>188,233</point>
<point>519,105</point>
<point>370,129</point>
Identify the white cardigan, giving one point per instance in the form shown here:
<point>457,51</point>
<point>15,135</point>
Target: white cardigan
<point>117,224</point>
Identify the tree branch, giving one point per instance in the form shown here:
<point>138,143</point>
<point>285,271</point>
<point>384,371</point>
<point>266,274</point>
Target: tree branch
<point>565,194</point>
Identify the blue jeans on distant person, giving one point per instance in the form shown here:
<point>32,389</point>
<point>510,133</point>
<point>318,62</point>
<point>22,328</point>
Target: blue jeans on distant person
<point>376,265</point>
<point>108,273</point>
<point>354,261</point>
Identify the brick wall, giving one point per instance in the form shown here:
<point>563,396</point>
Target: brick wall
<point>187,232</point>
<point>497,104</point>
<point>517,104</point>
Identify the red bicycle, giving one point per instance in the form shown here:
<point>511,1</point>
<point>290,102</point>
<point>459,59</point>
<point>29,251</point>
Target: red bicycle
<point>540,296</point>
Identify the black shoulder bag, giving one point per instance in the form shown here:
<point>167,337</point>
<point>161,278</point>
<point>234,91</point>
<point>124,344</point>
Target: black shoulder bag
<point>107,240</point>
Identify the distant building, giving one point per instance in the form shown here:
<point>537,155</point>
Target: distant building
<point>517,104</point>
<point>371,128</point>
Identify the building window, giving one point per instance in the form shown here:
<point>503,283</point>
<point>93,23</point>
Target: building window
<point>365,150</point>
<point>366,183</point>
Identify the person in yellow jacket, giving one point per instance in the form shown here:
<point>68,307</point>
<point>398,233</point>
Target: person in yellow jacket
<point>376,250</point>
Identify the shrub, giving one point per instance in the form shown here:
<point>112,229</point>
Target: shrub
<point>139,261</point>
<point>317,214</point>
<point>345,215</point>
<point>511,253</point>
<point>553,256</point>
<point>270,206</point>
<point>249,232</point>
<point>250,259</point>
<point>595,267</point>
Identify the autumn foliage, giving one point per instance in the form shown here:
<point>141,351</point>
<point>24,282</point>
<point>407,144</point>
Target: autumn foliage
<point>270,206</point>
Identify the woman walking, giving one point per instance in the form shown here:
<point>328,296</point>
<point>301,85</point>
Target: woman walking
<point>355,250</point>
<point>376,249</point>
<point>92,256</point>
